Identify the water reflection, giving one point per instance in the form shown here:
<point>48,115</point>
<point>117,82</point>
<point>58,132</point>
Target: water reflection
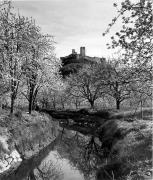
<point>27,168</point>
<point>68,172</point>
<point>82,152</point>
<point>76,156</point>
<point>72,157</point>
<point>48,170</point>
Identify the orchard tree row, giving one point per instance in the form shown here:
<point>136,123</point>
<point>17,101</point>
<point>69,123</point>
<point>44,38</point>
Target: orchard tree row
<point>129,75</point>
<point>27,61</point>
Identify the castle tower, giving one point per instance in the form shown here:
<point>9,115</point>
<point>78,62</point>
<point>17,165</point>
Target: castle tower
<point>73,51</point>
<point>82,51</point>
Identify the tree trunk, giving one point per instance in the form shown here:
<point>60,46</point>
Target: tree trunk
<point>12,103</point>
<point>32,176</point>
<point>35,92</point>
<point>117,104</point>
<point>62,103</point>
<point>1,103</point>
<point>54,104</point>
<point>30,105</point>
<point>31,97</point>
<point>76,104</point>
<point>54,101</point>
<point>46,104</point>
<point>92,104</point>
<point>13,84</point>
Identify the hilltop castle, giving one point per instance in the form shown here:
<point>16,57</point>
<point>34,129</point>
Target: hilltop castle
<point>73,62</point>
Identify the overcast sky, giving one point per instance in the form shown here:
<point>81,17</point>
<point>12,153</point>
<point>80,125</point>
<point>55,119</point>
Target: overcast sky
<point>73,23</point>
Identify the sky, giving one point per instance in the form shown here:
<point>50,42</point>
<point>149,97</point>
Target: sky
<point>73,23</point>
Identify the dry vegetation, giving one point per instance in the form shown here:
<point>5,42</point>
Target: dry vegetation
<point>27,133</point>
<point>130,140</point>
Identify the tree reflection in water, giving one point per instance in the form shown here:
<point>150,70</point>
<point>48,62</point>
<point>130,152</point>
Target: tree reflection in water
<point>49,171</point>
<point>46,171</point>
<point>82,153</point>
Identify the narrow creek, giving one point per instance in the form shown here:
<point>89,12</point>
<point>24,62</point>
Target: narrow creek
<point>66,158</point>
<point>64,163</point>
<point>77,152</point>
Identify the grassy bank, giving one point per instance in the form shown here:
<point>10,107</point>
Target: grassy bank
<point>127,143</point>
<point>25,133</point>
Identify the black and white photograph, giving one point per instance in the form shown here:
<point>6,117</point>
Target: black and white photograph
<point>76,84</point>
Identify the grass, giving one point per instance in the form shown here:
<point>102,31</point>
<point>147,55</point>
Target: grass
<point>145,114</point>
<point>27,132</point>
<point>136,147</point>
<point>130,137</point>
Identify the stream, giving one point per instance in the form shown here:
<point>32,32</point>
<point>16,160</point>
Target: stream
<point>75,154</point>
<point>65,162</point>
<point>69,157</point>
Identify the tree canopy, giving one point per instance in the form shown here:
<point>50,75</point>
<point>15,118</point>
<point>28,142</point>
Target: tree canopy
<point>27,58</point>
<point>136,35</point>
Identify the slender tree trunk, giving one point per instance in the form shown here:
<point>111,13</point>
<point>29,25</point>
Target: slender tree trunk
<point>35,92</point>
<point>117,104</point>
<point>1,103</point>
<point>63,106</point>
<point>13,84</point>
<point>12,103</point>
<point>92,104</point>
<point>117,92</point>
<point>76,104</point>
<point>62,103</point>
<point>79,105</point>
<point>54,101</point>
<point>32,176</point>
<point>31,97</point>
<point>54,104</point>
<point>46,104</point>
<point>30,105</point>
